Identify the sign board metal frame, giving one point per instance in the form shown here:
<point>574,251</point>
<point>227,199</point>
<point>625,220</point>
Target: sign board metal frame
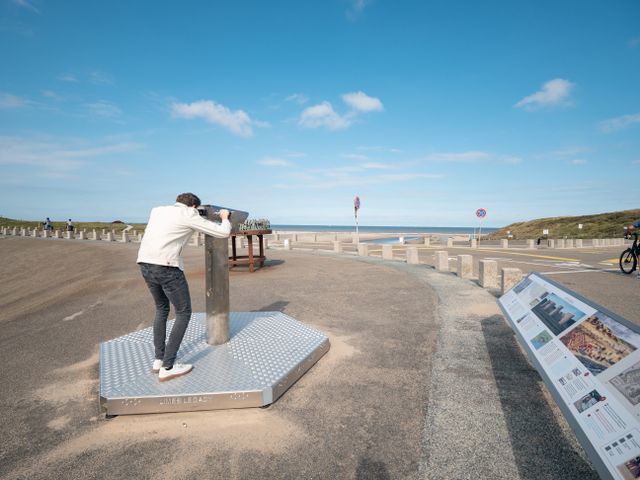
<point>589,359</point>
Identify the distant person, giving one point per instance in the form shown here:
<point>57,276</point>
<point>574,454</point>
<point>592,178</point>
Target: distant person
<point>539,240</point>
<point>160,259</point>
<point>69,226</point>
<point>47,224</point>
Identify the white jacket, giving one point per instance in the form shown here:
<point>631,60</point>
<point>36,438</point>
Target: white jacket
<point>168,231</point>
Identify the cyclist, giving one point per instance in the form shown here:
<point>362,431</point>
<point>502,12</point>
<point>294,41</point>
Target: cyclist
<point>632,227</point>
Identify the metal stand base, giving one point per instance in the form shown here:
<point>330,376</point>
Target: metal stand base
<point>267,353</point>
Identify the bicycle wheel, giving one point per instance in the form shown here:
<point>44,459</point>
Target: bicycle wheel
<point>628,261</point>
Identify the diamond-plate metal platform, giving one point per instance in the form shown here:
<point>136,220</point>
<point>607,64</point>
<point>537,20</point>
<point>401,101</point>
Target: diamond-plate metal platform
<point>267,353</point>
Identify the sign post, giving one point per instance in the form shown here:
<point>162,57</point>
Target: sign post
<point>356,207</point>
<point>589,358</point>
<point>480,213</point>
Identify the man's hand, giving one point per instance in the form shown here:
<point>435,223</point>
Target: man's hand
<point>224,214</point>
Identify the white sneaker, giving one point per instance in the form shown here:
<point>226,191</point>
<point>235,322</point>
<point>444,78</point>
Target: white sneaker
<point>177,370</point>
<point>157,365</point>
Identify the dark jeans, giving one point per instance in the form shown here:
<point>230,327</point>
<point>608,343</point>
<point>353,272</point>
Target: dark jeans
<point>168,284</point>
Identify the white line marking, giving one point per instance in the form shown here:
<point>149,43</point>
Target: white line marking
<point>581,271</point>
<point>77,314</point>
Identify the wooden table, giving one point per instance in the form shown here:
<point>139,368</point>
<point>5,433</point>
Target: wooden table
<point>249,259</point>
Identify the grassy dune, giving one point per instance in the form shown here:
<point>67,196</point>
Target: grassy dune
<point>601,225</point>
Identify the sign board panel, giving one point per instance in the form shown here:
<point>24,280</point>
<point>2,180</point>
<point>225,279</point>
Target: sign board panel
<point>481,213</point>
<point>545,231</point>
<point>589,359</point>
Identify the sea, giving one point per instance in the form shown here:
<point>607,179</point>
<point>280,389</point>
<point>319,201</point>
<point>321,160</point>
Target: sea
<point>380,229</point>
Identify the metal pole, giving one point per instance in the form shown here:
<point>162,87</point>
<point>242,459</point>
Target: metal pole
<point>217,289</point>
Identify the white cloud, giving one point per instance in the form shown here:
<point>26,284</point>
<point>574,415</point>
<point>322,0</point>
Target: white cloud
<point>55,156</point>
<point>274,162</point>
<point>362,102</point>
<point>578,161</point>
<point>471,156</point>
<point>554,93</point>
<point>511,160</point>
<point>356,8</point>
<point>375,165</point>
<point>379,148</point>
<point>67,77</point>
<point>237,122</point>
<point>8,100</point>
<point>298,98</point>
<point>568,152</point>
<point>100,78</point>
<point>103,108</point>
<point>354,156</point>
<point>27,5</point>
<point>323,115</point>
<point>618,123</point>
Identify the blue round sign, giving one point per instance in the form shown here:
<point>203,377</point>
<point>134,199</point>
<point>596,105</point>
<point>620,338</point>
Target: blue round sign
<point>481,213</point>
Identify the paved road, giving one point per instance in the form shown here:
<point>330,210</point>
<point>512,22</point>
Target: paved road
<point>424,378</point>
<point>592,272</point>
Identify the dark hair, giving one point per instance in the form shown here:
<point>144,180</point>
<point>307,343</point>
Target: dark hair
<point>189,199</point>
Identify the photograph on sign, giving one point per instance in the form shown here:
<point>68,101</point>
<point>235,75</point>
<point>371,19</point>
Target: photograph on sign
<point>600,342</point>
<point>591,359</point>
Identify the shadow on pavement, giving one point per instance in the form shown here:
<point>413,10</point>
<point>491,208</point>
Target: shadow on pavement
<point>278,306</point>
<point>539,445</point>
<point>370,470</point>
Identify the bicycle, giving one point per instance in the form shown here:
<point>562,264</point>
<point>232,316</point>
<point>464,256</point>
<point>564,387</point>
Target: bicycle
<point>629,258</point>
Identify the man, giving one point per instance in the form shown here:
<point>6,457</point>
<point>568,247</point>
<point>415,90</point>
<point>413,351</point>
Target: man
<point>160,259</point>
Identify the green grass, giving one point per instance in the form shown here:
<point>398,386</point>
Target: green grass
<point>118,227</point>
<point>601,225</point>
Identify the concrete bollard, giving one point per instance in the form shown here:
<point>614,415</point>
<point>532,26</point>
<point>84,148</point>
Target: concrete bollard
<point>594,242</point>
<point>504,243</point>
<point>510,276</point>
<point>57,234</point>
<point>96,235</point>
<point>578,243</point>
<point>287,244</point>
<point>427,241</point>
<point>531,244</point>
<point>104,232</point>
<point>82,235</point>
<point>560,243</point>
<point>474,243</point>
<point>140,236</point>
<point>124,238</point>
<point>465,266</point>
<point>552,243</point>
<point>337,247</point>
<point>387,252</point>
<point>412,255</point>
<point>14,231</point>
<point>109,237</point>
<point>45,233</point>
<point>69,235</point>
<point>363,249</point>
<point>34,232</point>
<point>23,232</point>
<point>569,243</point>
<point>449,242</point>
<point>441,260</point>
<point>488,273</point>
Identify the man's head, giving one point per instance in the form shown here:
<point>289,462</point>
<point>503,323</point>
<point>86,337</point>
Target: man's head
<point>189,199</point>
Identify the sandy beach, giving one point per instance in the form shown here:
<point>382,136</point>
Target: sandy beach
<point>423,379</point>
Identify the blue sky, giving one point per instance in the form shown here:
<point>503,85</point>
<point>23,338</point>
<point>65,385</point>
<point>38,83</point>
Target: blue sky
<point>428,110</point>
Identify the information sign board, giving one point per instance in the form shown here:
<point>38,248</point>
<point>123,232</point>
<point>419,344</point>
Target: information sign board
<point>589,359</point>
<point>481,213</point>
